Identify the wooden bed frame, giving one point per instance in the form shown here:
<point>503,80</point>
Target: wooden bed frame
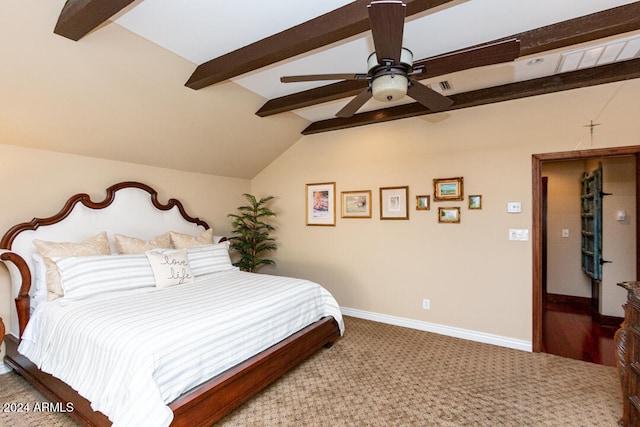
<point>201,406</point>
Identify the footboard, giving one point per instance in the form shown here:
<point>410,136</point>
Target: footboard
<point>212,400</point>
<point>216,398</point>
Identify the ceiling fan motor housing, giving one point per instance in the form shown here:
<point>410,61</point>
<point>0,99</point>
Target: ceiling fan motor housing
<point>390,81</point>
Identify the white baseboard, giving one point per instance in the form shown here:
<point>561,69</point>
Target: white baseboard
<point>451,331</point>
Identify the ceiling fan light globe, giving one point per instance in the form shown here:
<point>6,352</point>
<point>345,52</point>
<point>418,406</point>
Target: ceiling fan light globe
<point>391,87</point>
<point>372,62</point>
<point>406,57</point>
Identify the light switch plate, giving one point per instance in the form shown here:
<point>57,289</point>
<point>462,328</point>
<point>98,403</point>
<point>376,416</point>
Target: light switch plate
<point>518,234</point>
<point>514,207</point>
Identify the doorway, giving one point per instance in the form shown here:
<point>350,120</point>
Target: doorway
<point>539,216</point>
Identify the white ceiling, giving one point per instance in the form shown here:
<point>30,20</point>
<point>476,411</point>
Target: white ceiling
<point>200,30</point>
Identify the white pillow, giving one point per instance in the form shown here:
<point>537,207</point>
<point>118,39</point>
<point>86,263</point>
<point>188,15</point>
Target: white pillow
<point>209,259</point>
<point>96,245</point>
<point>170,267</point>
<point>87,276</point>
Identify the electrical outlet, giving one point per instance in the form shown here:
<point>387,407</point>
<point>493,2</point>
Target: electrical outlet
<point>426,304</point>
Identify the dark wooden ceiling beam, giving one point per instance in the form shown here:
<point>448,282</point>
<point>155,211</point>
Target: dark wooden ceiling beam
<point>610,22</point>
<point>587,28</point>
<point>603,74</point>
<point>344,22</point>
<point>79,17</point>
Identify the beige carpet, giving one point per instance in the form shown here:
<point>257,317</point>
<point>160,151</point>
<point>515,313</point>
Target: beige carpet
<point>381,375</point>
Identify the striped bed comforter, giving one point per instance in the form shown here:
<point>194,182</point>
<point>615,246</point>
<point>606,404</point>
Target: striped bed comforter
<point>132,355</point>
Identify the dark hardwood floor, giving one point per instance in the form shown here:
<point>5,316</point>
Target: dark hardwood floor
<point>570,331</point>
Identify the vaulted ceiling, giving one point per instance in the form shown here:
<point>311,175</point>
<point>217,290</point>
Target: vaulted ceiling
<point>520,49</point>
<point>595,34</point>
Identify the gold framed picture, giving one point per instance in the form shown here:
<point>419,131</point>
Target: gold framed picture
<point>423,203</point>
<point>450,214</point>
<point>445,189</point>
<point>394,202</point>
<point>475,201</point>
<point>356,204</point>
<point>321,203</point>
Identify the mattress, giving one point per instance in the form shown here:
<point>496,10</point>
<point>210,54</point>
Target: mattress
<point>132,353</point>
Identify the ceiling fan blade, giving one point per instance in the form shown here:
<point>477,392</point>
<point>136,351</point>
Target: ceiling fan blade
<point>386,19</point>
<point>316,77</point>
<point>428,97</point>
<point>463,59</point>
<point>355,104</point>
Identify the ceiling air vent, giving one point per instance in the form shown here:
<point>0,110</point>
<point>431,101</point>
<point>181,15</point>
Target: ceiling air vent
<point>600,54</point>
<point>445,85</point>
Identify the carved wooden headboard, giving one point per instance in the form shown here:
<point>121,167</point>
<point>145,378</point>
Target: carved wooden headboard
<point>130,208</point>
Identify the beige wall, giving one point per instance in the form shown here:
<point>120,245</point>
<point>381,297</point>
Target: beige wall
<point>38,182</point>
<point>474,276</point>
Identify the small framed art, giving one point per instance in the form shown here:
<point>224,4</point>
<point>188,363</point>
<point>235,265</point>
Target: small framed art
<point>448,189</point>
<point>450,214</point>
<point>356,204</point>
<point>321,203</point>
<point>475,201</point>
<point>423,203</point>
<point>394,202</point>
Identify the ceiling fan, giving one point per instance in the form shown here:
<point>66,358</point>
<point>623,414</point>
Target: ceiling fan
<point>390,68</point>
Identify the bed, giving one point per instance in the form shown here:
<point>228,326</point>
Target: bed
<point>160,333</point>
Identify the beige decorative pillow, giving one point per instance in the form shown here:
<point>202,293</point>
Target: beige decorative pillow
<point>170,267</point>
<point>133,245</point>
<point>184,241</point>
<point>97,245</point>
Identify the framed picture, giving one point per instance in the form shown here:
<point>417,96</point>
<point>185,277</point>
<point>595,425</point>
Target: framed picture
<point>321,203</point>
<point>423,203</point>
<point>448,189</point>
<point>451,214</point>
<point>394,202</point>
<point>356,204</point>
<point>475,201</point>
